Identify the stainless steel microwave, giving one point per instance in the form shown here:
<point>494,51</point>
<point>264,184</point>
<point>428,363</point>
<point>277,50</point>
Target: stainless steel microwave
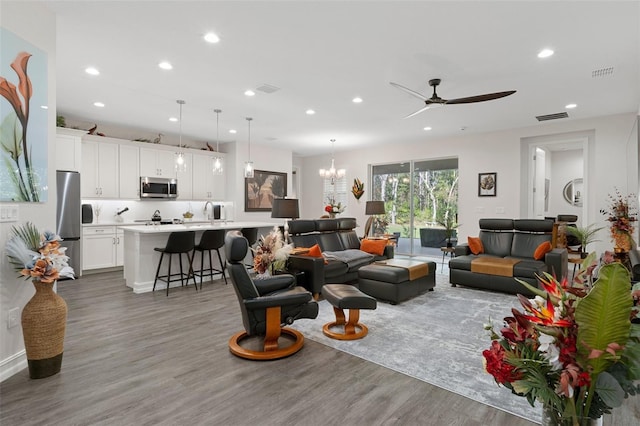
<point>156,187</point>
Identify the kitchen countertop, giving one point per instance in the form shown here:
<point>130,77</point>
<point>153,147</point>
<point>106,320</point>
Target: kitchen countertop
<point>196,226</point>
<point>136,223</point>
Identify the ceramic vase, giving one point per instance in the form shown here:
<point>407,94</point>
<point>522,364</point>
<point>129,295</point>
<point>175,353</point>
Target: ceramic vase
<point>44,320</point>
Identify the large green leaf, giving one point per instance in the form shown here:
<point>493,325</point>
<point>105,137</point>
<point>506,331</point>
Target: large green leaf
<point>609,390</point>
<point>603,315</point>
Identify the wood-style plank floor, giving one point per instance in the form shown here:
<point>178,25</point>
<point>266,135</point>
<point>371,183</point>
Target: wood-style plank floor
<point>149,359</point>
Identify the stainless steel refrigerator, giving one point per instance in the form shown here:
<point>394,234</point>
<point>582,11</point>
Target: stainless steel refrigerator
<point>68,213</point>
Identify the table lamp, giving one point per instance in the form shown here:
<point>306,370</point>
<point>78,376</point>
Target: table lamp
<point>372,209</point>
<point>285,208</point>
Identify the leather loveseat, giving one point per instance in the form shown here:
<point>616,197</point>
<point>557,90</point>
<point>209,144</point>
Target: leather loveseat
<point>332,235</point>
<point>513,243</point>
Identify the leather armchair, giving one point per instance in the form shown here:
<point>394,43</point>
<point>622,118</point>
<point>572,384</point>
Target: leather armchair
<point>266,305</point>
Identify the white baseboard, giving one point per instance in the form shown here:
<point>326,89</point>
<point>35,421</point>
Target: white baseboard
<point>12,365</point>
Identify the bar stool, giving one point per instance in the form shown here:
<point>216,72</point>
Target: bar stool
<point>211,239</point>
<point>251,234</point>
<point>177,243</point>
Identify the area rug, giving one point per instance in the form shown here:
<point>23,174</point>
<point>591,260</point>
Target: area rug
<point>437,337</point>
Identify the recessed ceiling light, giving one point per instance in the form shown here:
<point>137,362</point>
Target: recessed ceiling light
<point>98,104</point>
<point>570,106</point>
<point>356,100</point>
<point>165,65</point>
<point>173,119</point>
<point>92,71</point>
<point>310,112</point>
<point>234,131</point>
<point>211,38</point>
<point>427,128</point>
<point>545,53</point>
<point>249,93</point>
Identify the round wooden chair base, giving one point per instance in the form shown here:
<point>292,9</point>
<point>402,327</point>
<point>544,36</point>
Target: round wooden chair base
<point>238,350</point>
<point>361,330</point>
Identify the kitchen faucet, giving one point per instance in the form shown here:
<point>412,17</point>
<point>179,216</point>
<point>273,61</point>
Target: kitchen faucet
<point>210,217</point>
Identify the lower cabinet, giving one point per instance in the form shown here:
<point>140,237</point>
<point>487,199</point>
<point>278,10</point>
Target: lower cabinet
<point>102,247</point>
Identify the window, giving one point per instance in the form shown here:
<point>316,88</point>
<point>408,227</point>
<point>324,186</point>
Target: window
<point>336,191</point>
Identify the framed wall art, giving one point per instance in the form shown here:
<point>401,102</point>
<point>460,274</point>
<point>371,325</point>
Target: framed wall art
<point>262,188</point>
<point>23,122</point>
<point>487,183</point>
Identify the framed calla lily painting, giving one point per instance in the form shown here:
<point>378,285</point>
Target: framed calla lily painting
<point>23,120</point>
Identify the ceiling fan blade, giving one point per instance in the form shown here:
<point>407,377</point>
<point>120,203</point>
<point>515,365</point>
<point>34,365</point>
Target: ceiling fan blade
<point>409,91</point>
<point>418,111</point>
<point>480,98</point>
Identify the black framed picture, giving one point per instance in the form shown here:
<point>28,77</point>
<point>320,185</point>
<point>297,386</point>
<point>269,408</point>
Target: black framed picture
<point>262,188</point>
<point>487,183</point>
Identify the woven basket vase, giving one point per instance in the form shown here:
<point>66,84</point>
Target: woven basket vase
<point>44,319</point>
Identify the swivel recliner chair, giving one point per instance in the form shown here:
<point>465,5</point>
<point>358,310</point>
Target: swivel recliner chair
<point>266,305</point>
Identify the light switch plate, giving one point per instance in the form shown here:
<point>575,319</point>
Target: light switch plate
<point>9,213</point>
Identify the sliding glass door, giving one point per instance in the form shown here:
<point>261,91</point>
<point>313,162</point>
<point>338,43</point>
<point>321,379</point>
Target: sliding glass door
<point>420,197</point>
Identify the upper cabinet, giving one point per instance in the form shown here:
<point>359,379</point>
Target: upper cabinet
<point>68,150</point>
<point>99,177</point>
<point>129,182</point>
<point>185,180</point>
<point>206,185</point>
<point>157,162</point>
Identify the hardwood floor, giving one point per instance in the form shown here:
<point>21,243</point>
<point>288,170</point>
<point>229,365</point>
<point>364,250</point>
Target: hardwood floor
<point>149,359</point>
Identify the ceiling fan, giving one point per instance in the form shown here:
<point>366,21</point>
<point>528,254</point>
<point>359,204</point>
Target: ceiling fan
<point>435,100</point>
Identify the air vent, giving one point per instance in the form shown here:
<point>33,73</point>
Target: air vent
<point>602,72</point>
<point>267,88</point>
<point>552,116</point>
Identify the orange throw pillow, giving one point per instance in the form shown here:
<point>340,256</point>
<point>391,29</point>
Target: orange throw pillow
<point>475,244</point>
<point>373,246</point>
<point>314,251</point>
<point>541,250</point>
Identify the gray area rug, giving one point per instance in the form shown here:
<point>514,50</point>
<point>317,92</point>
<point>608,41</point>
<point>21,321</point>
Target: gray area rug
<point>437,337</point>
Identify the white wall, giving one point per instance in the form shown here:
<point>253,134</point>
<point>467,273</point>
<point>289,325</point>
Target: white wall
<point>608,164</point>
<point>35,24</point>
<point>565,166</point>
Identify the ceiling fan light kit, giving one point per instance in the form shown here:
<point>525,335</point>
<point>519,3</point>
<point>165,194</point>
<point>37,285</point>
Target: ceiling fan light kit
<point>436,101</point>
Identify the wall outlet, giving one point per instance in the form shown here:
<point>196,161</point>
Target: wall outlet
<point>13,317</point>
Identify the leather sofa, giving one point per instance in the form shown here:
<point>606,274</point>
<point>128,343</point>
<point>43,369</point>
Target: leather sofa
<point>513,240</point>
<point>332,235</point>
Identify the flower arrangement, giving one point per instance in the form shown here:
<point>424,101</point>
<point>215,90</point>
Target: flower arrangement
<point>272,253</point>
<point>573,348</point>
<point>36,255</point>
<point>621,214</point>
<point>332,207</point>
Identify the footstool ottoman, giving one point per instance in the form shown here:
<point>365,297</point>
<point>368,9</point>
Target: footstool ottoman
<point>396,280</point>
<point>345,296</point>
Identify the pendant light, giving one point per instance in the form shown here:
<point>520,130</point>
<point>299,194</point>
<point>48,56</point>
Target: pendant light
<point>248,165</point>
<point>217,161</point>
<point>332,173</point>
<point>181,163</point>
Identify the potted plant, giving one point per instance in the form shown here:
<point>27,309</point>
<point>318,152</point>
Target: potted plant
<point>586,235</point>
<point>449,224</point>
<point>558,350</point>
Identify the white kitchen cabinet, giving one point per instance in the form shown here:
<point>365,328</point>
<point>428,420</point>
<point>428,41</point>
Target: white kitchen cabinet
<point>185,180</point>
<point>98,247</point>
<point>68,149</point>
<point>99,169</point>
<point>157,162</point>
<point>129,182</point>
<point>206,185</point>
<point>119,243</point>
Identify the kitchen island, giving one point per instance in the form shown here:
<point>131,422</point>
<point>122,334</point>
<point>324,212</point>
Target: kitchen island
<point>141,260</point>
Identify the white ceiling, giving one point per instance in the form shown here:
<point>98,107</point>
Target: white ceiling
<point>322,54</point>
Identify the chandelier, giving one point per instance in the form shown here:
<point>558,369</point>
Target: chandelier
<point>217,161</point>
<point>332,173</point>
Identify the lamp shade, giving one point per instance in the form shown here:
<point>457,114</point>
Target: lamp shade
<point>374,207</point>
<point>285,208</point>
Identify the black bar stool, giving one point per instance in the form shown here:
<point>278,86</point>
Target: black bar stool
<point>211,239</point>
<point>177,243</point>
<point>251,234</point>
